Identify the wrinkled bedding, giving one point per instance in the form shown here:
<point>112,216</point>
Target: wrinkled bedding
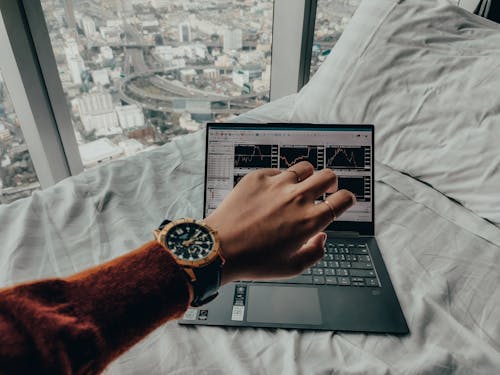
<point>444,262</point>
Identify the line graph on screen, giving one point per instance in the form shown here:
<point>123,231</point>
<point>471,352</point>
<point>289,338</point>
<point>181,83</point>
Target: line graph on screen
<point>291,155</point>
<point>252,156</point>
<point>339,157</point>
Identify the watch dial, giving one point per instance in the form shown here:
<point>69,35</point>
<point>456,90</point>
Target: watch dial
<point>189,241</point>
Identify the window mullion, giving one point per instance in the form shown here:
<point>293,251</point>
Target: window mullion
<point>48,66</point>
<point>293,36</point>
<point>27,90</point>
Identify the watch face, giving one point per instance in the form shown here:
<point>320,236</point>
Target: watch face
<point>189,241</point>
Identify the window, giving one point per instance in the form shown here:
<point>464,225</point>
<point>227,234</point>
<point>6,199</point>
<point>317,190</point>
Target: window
<point>332,16</point>
<point>17,173</point>
<point>137,74</point>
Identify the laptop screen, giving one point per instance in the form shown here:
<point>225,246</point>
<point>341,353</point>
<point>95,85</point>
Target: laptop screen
<point>233,150</point>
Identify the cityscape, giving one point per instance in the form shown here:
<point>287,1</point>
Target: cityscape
<point>17,174</point>
<point>137,74</point>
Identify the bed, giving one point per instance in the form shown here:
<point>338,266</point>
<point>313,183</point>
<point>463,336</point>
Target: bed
<point>427,75</point>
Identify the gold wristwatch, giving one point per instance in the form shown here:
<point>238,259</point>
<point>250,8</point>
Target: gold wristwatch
<point>196,248</point>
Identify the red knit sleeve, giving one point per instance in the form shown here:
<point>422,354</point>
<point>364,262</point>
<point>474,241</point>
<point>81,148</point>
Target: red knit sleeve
<point>78,325</point>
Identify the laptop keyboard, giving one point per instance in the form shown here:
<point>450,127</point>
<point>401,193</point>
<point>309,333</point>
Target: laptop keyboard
<point>343,265</point>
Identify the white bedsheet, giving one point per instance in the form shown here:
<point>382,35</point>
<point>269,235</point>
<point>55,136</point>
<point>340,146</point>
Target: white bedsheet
<point>443,260</point>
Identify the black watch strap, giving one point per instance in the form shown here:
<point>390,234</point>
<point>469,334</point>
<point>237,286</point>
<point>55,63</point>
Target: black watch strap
<point>207,281</point>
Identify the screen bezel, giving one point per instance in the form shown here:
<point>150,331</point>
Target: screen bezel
<point>361,228</point>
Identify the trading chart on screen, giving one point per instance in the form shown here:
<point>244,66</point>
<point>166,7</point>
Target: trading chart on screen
<point>234,153</point>
<point>253,156</point>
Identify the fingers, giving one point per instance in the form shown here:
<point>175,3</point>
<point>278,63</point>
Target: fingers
<point>336,204</point>
<point>319,183</point>
<point>270,172</point>
<point>298,172</point>
<point>309,254</point>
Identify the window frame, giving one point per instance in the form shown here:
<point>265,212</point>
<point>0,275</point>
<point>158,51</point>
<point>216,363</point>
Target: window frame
<point>293,34</point>
<point>28,91</point>
<point>41,104</point>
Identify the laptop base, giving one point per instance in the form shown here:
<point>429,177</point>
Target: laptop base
<point>307,307</point>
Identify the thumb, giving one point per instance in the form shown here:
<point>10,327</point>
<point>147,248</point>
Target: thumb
<point>310,253</point>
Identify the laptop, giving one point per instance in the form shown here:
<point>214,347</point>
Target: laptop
<point>350,288</point>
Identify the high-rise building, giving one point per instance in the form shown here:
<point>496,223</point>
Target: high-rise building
<point>100,77</point>
<point>75,62</point>
<point>164,52</point>
<point>76,67</point>
<point>185,33</point>
<point>69,11</point>
<point>211,73</point>
<point>106,52</point>
<point>98,113</point>
<point>71,48</point>
<point>88,26</point>
<point>4,132</point>
<point>233,40</point>
<point>98,152</point>
<point>95,102</point>
<point>130,116</point>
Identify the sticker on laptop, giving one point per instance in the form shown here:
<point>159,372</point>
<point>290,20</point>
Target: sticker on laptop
<point>203,315</point>
<point>240,294</point>
<point>190,314</point>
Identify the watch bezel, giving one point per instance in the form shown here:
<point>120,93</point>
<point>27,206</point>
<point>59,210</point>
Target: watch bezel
<point>211,257</point>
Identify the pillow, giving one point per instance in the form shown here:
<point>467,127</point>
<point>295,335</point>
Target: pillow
<point>426,73</point>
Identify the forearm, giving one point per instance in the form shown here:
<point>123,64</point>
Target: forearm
<point>81,323</point>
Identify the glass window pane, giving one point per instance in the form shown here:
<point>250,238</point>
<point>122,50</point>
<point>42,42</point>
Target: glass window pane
<point>17,174</point>
<point>332,16</point>
<point>139,73</point>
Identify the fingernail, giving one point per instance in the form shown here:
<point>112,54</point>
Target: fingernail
<point>353,199</point>
<point>324,239</point>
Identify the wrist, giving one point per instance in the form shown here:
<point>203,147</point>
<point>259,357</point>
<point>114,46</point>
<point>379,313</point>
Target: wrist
<point>230,272</point>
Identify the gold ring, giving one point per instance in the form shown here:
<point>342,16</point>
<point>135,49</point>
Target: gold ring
<point>295,173</point>
<point>334,217</point>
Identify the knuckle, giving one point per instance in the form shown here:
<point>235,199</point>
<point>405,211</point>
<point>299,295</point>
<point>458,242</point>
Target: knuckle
<point>257,175</point>
<point>300,198</point>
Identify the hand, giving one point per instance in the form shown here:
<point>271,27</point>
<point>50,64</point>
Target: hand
<point>269,225</point>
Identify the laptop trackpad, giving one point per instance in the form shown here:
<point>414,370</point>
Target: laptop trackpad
<point>282,304</point>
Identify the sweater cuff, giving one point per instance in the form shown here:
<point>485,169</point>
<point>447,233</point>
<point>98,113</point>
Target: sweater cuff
<point>132,295</point>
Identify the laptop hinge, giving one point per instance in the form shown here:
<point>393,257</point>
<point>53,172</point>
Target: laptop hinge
<point>343,234</point>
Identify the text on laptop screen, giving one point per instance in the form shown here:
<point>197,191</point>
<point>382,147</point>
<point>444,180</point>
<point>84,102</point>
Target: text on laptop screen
<point>234,151</point>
